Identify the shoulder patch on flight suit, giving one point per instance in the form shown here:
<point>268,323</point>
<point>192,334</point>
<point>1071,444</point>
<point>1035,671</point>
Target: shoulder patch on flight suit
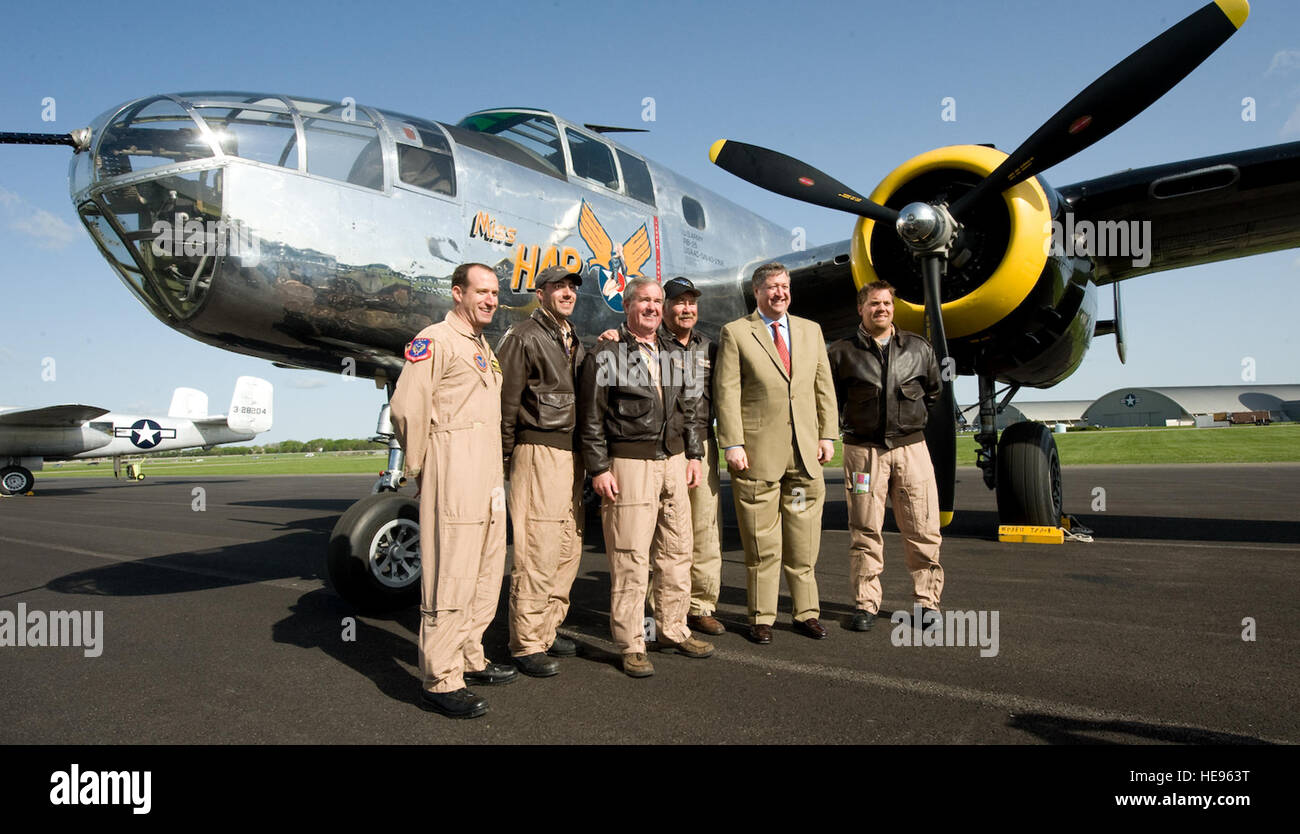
<point>417,350</point>
<point>481,361</point>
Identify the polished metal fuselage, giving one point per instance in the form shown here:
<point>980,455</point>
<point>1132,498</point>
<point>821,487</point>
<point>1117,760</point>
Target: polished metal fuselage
<point>338,277</point>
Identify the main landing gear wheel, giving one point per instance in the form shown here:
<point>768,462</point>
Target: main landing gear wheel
<point>1029,476</point>
<point>15,480</point>
<point>374,553</point>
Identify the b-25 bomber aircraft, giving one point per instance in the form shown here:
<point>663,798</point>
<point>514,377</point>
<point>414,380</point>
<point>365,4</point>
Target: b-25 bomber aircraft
<point>322,235</point>
<point>29,437</point>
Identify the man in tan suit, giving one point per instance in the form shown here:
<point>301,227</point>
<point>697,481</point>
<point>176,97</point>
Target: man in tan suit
<point>777,417</point>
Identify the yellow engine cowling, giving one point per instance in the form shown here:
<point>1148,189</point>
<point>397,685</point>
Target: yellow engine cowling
<point>1010,283</point>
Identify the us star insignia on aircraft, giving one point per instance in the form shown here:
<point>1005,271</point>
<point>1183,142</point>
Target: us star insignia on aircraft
<point>145,433</point>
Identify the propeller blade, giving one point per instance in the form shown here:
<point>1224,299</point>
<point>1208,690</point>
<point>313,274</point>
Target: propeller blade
<point>789,177</point>
<point>931,273</point>
<point>941,427</point>
<point>1108,103</point>
<point>941,442</point>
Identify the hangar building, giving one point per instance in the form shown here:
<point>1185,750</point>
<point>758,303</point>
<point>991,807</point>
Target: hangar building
<point>1154,406</point>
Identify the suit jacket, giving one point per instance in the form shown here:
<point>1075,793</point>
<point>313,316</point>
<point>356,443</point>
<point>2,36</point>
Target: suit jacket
<point>757,403</point>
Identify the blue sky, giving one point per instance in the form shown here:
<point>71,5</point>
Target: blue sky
<point>853,88</point>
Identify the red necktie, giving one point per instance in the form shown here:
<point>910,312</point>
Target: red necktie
<point>781,349</point>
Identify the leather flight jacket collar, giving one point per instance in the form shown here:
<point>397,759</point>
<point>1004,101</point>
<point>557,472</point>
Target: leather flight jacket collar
<point>538,390</point>
<point>884,396</point>
<point>620,411</point>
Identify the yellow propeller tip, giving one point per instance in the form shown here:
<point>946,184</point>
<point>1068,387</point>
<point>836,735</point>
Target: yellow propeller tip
<point>1235,10</point>
<point>945,519</point>
<point>715,150</point>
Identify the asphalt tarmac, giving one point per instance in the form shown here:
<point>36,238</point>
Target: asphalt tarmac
<point>1178,624</point>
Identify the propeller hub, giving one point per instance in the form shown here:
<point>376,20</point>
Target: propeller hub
<point>925,228</point>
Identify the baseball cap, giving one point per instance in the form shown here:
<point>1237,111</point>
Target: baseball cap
<point>556,273</point>
<point>674,287</point>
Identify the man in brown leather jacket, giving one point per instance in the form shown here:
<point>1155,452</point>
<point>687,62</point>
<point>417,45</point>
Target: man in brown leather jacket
<point>681,314</point>
<point>640,441</point>
<point>540,358</point>
<point>886,379</point>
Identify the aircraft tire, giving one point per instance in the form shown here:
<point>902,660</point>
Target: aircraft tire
<point>374,553</point>
<point>16,480</point>
<point>1029,476</point>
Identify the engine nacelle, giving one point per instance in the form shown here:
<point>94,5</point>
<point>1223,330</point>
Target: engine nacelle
<point>1014,306</point>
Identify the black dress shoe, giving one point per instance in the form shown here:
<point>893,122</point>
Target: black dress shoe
<point>537,665</point>
<point>810,628</point>
<point>862,620</point>
<point>760,634</point>
<point>562,647</point>
<point>494,674</point>
<point>459,704</point>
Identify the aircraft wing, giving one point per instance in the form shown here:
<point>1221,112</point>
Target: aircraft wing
<point>1201,210</point>
<point>52,416</point>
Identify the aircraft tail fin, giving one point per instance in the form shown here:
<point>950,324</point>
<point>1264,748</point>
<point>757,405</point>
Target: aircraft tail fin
<point>188,404</point>
<point>250,407</point>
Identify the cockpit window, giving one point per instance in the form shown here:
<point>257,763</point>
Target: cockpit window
<point>254,134</point>
<point>536,134</point>
<point>592,159</point>
<point>256,101</point>
<point>347,151</point>
<point>423,156</point>
<point>636,176</point>
<point>152,133</point>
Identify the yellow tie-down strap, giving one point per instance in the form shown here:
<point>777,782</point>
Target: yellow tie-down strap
<point>1030,534</point>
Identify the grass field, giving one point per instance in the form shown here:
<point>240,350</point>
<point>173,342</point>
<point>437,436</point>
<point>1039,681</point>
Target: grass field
<point>1278,443</point>
<point>296,464</point>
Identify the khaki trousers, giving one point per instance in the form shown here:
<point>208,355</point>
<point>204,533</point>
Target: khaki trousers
<point>462,551</point>
<point>780,529</point>
<point>546,508</point>
<point>906,476</point>
<point>706,561</point>
<point>650,517</point>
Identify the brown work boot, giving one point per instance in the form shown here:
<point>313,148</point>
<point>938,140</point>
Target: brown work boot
<point>637,665</point>
<point>705,624</point>
<point>689,647</point>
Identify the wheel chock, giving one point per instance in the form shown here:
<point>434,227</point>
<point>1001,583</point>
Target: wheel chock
<point>1030,534</point>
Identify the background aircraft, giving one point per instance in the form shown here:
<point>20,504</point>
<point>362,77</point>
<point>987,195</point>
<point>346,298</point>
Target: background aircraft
<point>29,437</point>
<point>355,216</point>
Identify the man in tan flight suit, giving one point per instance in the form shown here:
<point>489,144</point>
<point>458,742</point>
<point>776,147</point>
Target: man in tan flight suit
<point>640,441</point>
<point>446,413</point>
<point>540,357</point>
